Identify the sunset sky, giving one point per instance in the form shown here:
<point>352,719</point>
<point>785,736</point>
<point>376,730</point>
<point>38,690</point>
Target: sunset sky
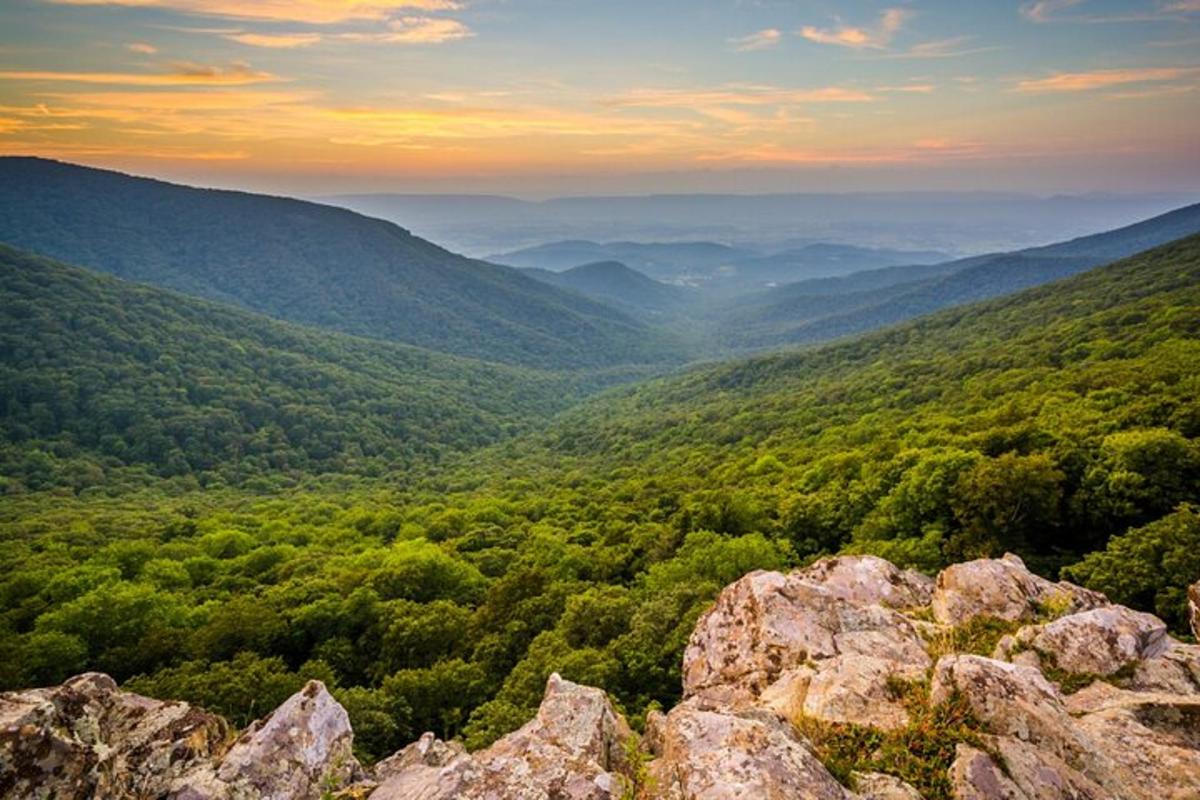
<point>535,96</point>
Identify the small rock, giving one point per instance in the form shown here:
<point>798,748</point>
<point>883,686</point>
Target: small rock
<point>878,786</point>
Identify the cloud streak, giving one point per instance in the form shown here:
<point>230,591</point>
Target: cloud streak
<point>1103,78</point>
<point>759,40</point>
<point>876,37</point>
<point>316,12</point>
<point>181,74</point>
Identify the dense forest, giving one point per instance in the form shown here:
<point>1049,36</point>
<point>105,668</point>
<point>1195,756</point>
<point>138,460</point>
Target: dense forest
<point>1060,423</point>
<point>105,382</point>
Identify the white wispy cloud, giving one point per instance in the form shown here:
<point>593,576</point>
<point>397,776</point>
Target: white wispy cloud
<point>1045,10</point>
<point>759,40</point>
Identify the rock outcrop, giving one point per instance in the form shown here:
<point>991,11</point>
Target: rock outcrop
<point>1194,608</point>
<point>86,738</point>
<point>574,749</point>
<point>850,667</point>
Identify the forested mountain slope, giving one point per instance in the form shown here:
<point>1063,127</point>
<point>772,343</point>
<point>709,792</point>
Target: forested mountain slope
<point>1055,423</point>
<point>99,374</point>
<point>615,283</point>
<point>309,263</point>
<point>813,311</point>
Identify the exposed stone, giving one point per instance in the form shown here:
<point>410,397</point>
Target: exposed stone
<point>878,786</point>
<point>1027,773</point>
<point>767,622</point>
<point>1005,589</point>
<point>859,689</point>
<point>428,751</point>
<point>574,749</point>
<point>1151,741</point>
<point>1101,641</point>
<point>1194,608</point>
<point>87,739</point>
<point>1176,671</point>
<point>1010,700</point>
<point>299,750</point>
<point>712,755</point>
<point>870,580</point>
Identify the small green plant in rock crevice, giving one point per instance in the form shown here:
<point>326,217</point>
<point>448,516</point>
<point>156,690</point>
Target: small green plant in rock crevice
<point>920,753</point>
<point>977,636</point>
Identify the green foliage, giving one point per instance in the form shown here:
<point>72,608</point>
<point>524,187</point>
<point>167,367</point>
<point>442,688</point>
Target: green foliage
<point>102,382</point>
<point>920,753</point>
<point>1149,567</point>
<point>441,597</point>
<point>977,636</point>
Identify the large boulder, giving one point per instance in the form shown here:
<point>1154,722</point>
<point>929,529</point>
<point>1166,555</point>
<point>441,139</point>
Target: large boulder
<point>86,738</point>
<point>713,754</point>
<point>1101,641</point>
<point>767,623</point>
<point>1003,588</point>
<point>574,749</point>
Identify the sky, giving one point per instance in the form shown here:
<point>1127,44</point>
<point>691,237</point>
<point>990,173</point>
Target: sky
<point>537,97</point>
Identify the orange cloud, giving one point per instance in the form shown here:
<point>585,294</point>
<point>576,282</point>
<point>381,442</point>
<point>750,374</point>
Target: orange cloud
<point>876,37</point>
<point>283,41</point>
<point>1102,78</point>
<point>737,95</point>
<point>309,11</point>
<point>141,47</point>
<point>182,74</point>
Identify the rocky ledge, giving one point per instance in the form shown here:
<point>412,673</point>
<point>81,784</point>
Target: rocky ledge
<point>851,679</point>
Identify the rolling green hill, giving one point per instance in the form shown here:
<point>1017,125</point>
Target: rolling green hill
<point>99,375</point>
<point>613,282</point>
<point>1061,423</point>
<point>309,263</point>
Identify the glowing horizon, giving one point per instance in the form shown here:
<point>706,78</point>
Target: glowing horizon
<point>518,96</point>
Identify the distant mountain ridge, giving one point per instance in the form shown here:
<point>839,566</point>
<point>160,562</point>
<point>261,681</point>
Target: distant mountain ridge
<point>713,265</point>
<point>814,311</point>
<point>310,263</point>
